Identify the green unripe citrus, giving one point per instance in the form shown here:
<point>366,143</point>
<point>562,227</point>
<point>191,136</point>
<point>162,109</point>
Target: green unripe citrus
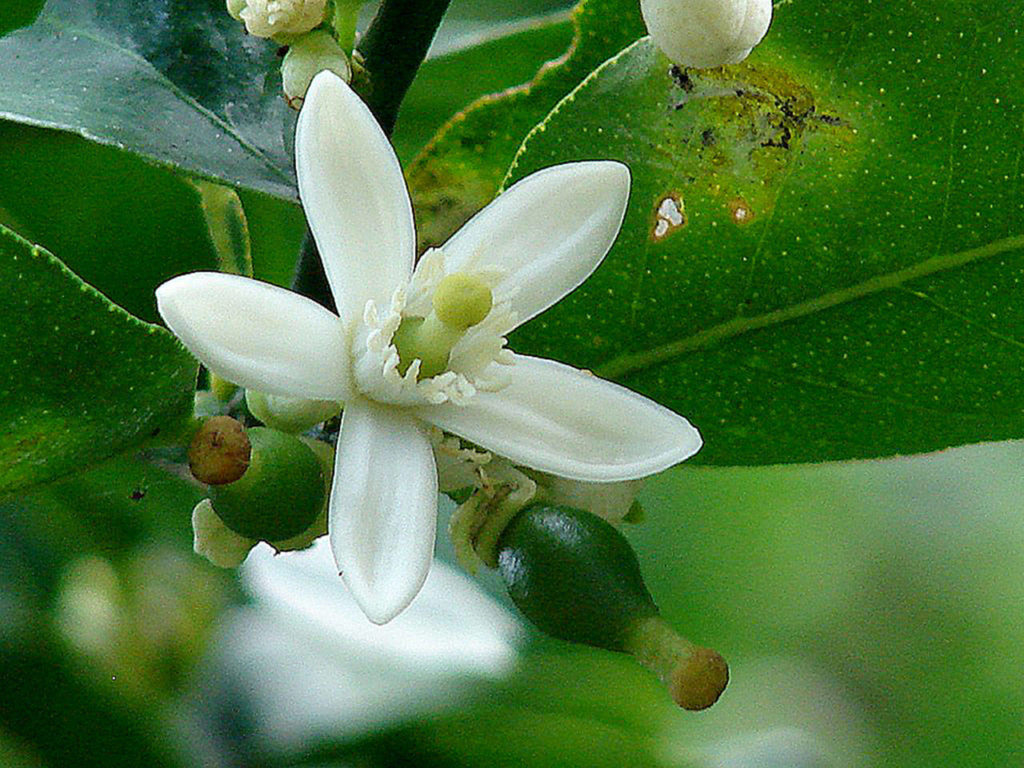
<point>281,492</point>
<point>574,576</point>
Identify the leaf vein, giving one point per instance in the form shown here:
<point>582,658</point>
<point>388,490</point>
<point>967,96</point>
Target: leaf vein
<point>629,363</point>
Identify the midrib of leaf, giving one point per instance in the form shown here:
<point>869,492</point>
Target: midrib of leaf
<point>210,116</point>
<point>629,363</point>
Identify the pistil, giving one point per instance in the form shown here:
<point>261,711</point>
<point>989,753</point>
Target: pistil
<point>460,301</point>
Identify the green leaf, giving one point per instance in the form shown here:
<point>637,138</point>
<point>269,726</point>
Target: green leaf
<point>178,83</point>
<point>18,13</point>
<point>122,225</point>
<point>276,229</point>
<point>82,379</point>
<point>448,82</point>
<point>845,279</point>
<point>462,168</point>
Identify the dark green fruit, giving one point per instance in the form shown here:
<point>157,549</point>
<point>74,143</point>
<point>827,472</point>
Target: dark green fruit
<point>574,576</point>
<point>281,492</point>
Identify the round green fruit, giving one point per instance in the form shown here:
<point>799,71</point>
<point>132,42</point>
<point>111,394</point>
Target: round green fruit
<point>281,492</point>
<point>574,576</point>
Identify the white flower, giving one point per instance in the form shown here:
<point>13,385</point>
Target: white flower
<point>279,18</point>
<point>318,672</point>
<point>522,253</point>
<point>706,33</point>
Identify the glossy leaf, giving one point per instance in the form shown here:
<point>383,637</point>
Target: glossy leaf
<point>82,379</point>
<point>18,13</point>
<point>178,83</point>
<point>122,225</point>
<point>824,248</point>
<point>461,169</point>
<point>447,83</point>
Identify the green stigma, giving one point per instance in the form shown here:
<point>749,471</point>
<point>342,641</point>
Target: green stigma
<point>460,302</point>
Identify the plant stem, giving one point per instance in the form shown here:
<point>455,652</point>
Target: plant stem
<point>393,48</point>
<point>310,280</point>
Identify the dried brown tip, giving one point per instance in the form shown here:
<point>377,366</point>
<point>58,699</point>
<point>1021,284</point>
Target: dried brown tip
<point>699,680</point>
<point>220,451</point>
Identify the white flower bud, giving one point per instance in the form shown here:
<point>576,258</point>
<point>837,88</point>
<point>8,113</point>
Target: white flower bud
<point>214,540</point>
<point>289,414</point>
<point>281,19</point>
<point>308,56</point>
<point>706,33</point>
<point>235,8</point>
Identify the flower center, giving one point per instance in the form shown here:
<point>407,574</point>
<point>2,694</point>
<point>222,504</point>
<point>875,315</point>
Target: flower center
<point>460,301</point>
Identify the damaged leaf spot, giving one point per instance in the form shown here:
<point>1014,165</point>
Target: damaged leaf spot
<point>740,211</point>
<point>668,217</point>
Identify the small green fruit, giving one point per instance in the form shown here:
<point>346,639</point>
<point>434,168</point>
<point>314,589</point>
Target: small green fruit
<point>281,492</point>
<point>574,576</point>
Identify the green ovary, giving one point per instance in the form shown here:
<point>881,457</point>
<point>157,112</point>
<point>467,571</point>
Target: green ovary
<point>460,301</point>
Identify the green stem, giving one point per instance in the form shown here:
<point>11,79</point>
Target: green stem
<point>393,48</point>
<point>310,280</point>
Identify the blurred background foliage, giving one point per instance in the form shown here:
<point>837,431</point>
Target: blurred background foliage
<point>872,612</point>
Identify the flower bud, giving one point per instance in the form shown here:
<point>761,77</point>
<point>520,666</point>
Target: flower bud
<point>281,492</point>
<point>575,577</point>
<point>289,414</point>
<point>235,8</point>
<point>706,33</point>
<point>281,20</point>
<point>308,56</point>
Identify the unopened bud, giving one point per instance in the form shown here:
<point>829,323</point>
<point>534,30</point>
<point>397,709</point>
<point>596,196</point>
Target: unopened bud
<point>219,452</point>
<point>281,20</point>
<point>289,414</point>
<point>706,33</point>
<point>308,56</point>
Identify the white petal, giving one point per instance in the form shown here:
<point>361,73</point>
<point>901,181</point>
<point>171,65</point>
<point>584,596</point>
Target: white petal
<point>566,422</point>
<point>354,196</point>
<point>547,232</point>
<point>258,335</point>
<point>383,509</point>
